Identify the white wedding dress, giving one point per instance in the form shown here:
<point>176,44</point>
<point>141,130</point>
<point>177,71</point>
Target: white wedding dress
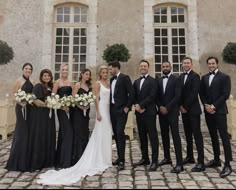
<point>98,154</point>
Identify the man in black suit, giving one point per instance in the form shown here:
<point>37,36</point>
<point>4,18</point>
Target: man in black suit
<point>145,93</point>
<point>122,96</point>
<point>191,114</point>
<point>168,97</point>
<point>215,91</point>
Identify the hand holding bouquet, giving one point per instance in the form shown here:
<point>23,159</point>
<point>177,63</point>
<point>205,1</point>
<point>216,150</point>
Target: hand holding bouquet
<point>23,98</point>
<point>53,101</point>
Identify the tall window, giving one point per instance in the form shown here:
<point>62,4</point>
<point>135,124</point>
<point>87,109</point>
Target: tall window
<point>71,39</point>
<point>169,37</point>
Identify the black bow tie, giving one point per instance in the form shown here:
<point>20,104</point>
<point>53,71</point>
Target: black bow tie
<point>186,74</point>
<point>115,78</point>
<point>165,77</point>
<point>142,77</point>
<point>212,73</point>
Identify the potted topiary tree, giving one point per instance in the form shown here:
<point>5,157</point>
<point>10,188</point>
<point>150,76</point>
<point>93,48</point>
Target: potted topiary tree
<point>229,53</point>
<point>116,52</point>
<point>6,53</point>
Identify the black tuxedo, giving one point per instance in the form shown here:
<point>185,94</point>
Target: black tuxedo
<point>217,94</point>
<point>192,119</point>
<point>123,96</point>
<point>170,99</point>
<point>146,121</point>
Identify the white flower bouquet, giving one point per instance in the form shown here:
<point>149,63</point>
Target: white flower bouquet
<point>23,98</point>
<point>84,100</point>
<point>67,101</point>
<point>53,101</point>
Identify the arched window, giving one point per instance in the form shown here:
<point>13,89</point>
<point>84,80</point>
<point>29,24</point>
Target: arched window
<point>170,25</point>
<point>71,38</point>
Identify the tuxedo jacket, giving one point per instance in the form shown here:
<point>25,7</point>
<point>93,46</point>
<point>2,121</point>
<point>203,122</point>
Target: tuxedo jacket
<point>170,99</point>
<point>124,93</point>
<point>190,93</point>
<point>146,96</point>
<point>218,93</point>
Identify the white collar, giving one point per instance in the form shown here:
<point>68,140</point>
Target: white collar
<point>188,71</point>
<point>118,75</point>
<point>145,75</point>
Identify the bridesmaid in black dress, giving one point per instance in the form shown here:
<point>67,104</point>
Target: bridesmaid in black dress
<point>42,137</point>
<point>18,155</point>
<point>80,122</point>
<point>63,87</point>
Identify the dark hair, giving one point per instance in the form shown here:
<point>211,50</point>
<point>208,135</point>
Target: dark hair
<point>27,64</point>
<point>50,84</point>
<point>115,64</point>
<point>89,82</point>
<point>144,61</point>
<point>216,59</point>
<point>166,62</point>
<point>185,58</point>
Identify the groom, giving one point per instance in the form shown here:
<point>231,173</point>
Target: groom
<point>122,95</point>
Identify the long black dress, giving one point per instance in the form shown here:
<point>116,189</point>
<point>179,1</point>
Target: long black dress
<point>65,137</point>
<point>42,137</point>
<point>80,124</point>
<point>18,155</point>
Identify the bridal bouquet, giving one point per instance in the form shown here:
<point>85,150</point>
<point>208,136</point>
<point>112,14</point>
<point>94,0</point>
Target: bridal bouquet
<point>23,98</point>
<point>53,101</point>
<point>67,101</point>
<point>85,100</point>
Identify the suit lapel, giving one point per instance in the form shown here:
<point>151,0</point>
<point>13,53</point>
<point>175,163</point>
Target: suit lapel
<point>168,83</point>
<point>214,79</point>
<point>189,77</point>
<point>117,82</point>
<point>144,83</point>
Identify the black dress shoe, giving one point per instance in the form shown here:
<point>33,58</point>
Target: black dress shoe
<point>165,162</point>
<point>177,169</point>
<point>121,166</point>
<point>153,167</point>
<point>199,168</point>
<point>188,161</point>
<point>226,171</point>
<point>142,163</point>
<point>115,163</point>
<point>213,164</point>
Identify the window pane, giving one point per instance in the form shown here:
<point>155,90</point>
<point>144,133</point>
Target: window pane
<point>157,50</point>
<point>65,58</point>
<point>84,18</point>
<point>66,41</point>
<point>77,10</point>
<point>58,58</point>
<point>182,50</point>
<point>157,11</point>
<point>77,18</point>
<point>164,32</point>
<point>84,40</point>
<point>67,10</point>
<point>182,57</point>
<point>157,32</point>
<point>174,19</point>
<point>163,19</point>
<point>75,67</point>
<point>66,32</point>
<point>75,76</point>
<point>58,41</point>
<point>176,68</point>
<point>157,59</point>
<point>82,67</point>
<point>76,32</point>
<point>59,11</point>
<point>66,49</point>
<point>164,10</point>
<point>83,58</point>
<point>76,58</point>
<point>58,49</point>
<point>175,50</point>
<point>67,18</point>
<point>157,41</point>
<point>182,41</point>
<point>174,32</point>
<point>181,11</point>
<point>181,18</point>
<point>173,10</point>
<point>57,76</point>
<point>164,41</point>
<point>76,49</point>
<point>57,67</point>
<point>83,32</point>
<point>176,59</point>
<point>83,49</point>
<point>174,41</point>
<point>76,41</point>
<point>164,58</point>
<point>165,50</point>
<point>181,32</point>
<point>157,19</point>
<point>59,32</point>
<point>158,67</point>
<point>84,10</point>
<point>59,18</point>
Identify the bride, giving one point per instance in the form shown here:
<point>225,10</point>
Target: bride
<point>98,154</point>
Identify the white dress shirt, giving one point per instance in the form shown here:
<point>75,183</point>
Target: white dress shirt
<point>212,76</point>
<point>186,76</point>
<point>165,81</point>
<point>142,81</point>
<point>113,87</point>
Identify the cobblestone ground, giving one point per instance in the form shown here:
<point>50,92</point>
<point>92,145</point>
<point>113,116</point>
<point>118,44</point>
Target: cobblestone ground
<point>130,178</point>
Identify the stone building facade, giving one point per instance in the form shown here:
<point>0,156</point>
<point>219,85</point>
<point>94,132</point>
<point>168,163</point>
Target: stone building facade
<point>50,32</point>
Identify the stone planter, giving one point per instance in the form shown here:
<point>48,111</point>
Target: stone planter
<point>129,129</point>
<point>7,117</point>
<point>232,117</point>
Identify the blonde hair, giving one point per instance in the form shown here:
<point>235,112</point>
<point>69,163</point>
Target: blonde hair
<point>62,66</point>
<point>101,68</point>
